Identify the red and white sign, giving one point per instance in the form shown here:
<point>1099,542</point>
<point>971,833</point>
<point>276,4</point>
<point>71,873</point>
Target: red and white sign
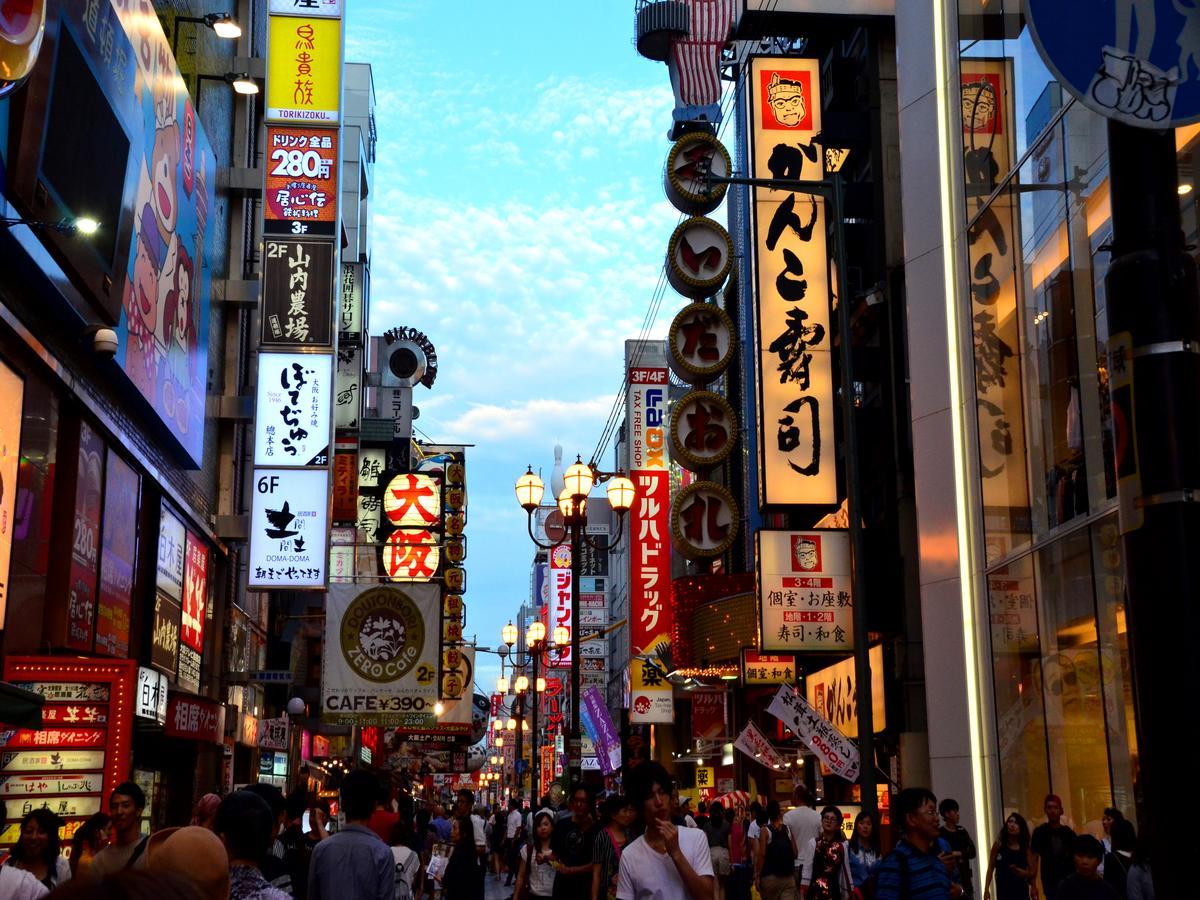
<point>300,195</point>
<point>24,738</point>
<point>708,715</point>
<point>194,719</point>
<point>560,600</point>
<point>804,590</point>
<point>195,594</point>
<point>650,556</point>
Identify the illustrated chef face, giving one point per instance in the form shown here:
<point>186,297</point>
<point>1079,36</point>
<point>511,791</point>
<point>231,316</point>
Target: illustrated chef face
<point>787,101</point>
<point>806,555</point>
<point>978,106</point>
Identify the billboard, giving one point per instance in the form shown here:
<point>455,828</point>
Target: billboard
<point>300,193</point>
<point>804,590</point>
<point>297,293</point>
<point>792,287</point>
<point>292,415</point>
<point>381,659</point>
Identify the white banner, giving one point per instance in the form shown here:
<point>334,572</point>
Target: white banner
<point>836,750</point>
<point>289,528</point>
<point>754,744</point>
<point>381,655</point>
<point>291,414</point>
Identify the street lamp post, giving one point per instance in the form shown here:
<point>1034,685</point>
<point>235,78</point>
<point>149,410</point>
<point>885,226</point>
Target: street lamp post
<point>535,645</point>
<point>579,480</point>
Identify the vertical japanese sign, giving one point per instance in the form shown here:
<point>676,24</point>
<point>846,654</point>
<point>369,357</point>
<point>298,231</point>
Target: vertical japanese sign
<point>292,410</point>
<point>804,595</point>
<point>708,715</point>
<point>195,604</point>
<point>289,529</point>
<point>791,287</point>
<point>650,613</point>
<point>304,69</point>
<point>118,554</point>
<point>600,728</point>
<point>560,600</point>
<point>832,747</point>
<point>297,293</point>
<point>12,395</point>
<point>989,151</point>
<point>85,540</point>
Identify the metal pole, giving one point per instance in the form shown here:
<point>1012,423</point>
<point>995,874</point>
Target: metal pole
<point>520,717</point>
<point>575,744</point>
<point>1153,309</point>
<point>537,701</point>
<point>862,664</point>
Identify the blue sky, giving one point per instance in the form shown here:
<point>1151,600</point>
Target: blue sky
<point>520,222</point>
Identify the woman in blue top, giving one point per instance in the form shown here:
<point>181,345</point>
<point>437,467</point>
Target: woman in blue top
<point>864,849</point>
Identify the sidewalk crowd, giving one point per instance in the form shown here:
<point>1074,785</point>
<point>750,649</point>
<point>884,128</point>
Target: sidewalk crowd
<point>643,844</point>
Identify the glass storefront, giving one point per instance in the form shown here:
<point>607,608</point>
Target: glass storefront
<point>1035,177</point>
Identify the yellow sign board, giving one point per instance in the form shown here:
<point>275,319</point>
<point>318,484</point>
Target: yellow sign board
<point>304,70</point>
<point>705,777</point>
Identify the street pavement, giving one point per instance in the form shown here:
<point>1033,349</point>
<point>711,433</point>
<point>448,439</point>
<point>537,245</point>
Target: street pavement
<point>494,889</point>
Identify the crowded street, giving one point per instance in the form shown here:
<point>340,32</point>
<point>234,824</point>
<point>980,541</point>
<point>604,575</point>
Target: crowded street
<point>646,450</point>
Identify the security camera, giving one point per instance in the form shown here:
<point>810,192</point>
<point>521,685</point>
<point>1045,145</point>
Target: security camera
<point>104,343</point>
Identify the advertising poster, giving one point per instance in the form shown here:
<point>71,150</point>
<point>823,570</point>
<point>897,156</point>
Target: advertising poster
<point>162,336</point>
<point>300,194</point>
<point>381,663</point>
<point>12,395</point>
<point>297,294</point>
<point>792,287</point>
<point>85,540</point>
<point>600,728</point>
<point>118,555</point>
<point>289,528</point>
<point>651,698</point>
<point>804,595</point>
<point>291,426</point>
<point>304,70</point>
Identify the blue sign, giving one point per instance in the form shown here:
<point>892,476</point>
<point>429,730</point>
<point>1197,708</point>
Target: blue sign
<point>521,765</point>
<point>1137,61</point>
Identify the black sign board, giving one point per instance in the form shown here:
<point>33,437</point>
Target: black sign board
<point>164,641</point>
<point>297,293</point>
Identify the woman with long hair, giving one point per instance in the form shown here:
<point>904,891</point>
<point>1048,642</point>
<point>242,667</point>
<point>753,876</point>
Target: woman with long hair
<point>616,815</point>
<point>863,849</point>
<point>538,863</point>
<point>825,860</point>
<point>91,837</point>
<point>1011,860</point>
<point>37,849</point>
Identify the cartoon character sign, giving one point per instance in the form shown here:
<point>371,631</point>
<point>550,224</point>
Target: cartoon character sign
<point>163,332</point>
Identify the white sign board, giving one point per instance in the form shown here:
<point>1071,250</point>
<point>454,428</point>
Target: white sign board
<point>150,701</point>
<point>289,529</point>
<point>172,541</point>
<point>754,744</point>
<point>804,590</point>
<point>291,419</point>
<point>331,9</point>
<point>836,750</point>
<point>381,655</point>
<point>346,401</point>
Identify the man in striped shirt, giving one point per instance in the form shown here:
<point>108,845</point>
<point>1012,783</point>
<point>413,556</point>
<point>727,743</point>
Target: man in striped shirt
<point>915,870</point>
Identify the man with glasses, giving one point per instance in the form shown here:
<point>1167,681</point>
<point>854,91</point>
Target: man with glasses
<point>915,869</point>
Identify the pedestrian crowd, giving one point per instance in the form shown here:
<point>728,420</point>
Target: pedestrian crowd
<point>643,844</point>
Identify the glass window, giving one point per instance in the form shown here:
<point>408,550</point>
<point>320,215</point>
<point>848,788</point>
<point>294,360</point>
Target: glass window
<point>1016,680</point>
<point>1071,676</point>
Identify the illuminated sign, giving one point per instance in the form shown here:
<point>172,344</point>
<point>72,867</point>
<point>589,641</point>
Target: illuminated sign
<point>300,194</point>
<point>804,595</point>
<point>289,528</point>
<point>12,393</point>
<point>304,70</point>
<point>292,412</point>
<point>791,278</point>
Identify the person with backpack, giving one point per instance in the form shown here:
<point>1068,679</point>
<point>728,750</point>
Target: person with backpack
<point>776,860</point>
<point>408,861</point>
<point>1119,858</point>
<point>914,870</point>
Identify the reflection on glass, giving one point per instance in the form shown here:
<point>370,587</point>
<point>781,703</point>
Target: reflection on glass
<point>34,504</point>
<point>1071,674</point>
<point>1016,671</point>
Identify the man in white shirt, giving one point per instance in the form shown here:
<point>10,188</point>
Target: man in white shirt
<point>512,831</point>
<point>804,823</point>
<point>667,862</point>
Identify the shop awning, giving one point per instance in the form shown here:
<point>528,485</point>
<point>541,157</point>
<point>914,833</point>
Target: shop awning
<point>20,707</point>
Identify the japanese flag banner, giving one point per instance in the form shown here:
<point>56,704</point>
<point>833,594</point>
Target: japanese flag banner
<point>754,744</point>
<point>836,750</point>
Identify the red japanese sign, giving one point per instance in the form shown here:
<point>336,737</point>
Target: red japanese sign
<point>708,714</point>
<point>560,600</point>
<point>194,719</point>
<point>650,560</point>
<point>345,486</point>
<point>75,714</point>
<point>195,594</point>
<point>300,194</point>
<point>68,738</point>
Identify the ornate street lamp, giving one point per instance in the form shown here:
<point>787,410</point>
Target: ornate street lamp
<point>578,482</point>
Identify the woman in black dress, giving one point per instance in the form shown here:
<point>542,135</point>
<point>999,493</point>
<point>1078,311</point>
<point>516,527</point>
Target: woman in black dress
<point>1011,861</point>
